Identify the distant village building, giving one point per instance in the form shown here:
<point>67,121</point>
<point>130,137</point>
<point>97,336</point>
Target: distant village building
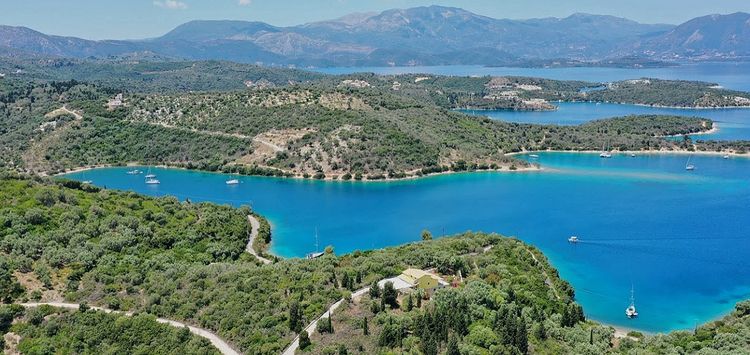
<point>260,84</point>
<point>116,102</point>
<point>358,84</point>
<point>416,279</point>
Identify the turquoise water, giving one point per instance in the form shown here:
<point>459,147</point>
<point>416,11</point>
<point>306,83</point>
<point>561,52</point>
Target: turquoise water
<point>681,238</point>
<point>730,75</point>
<point>734,124</point>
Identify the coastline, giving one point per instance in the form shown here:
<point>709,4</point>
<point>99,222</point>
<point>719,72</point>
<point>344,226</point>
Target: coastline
<point>622,332</point>
<point>638,152</point>
<point>329,178</point>
<point>557,108</point>
<point>714,129</point>
<point>533,167</point>
<point>686,108</point>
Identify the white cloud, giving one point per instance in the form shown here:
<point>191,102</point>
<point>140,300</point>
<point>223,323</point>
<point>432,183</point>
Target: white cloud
<point>171,4</point>
<point>245,2</point>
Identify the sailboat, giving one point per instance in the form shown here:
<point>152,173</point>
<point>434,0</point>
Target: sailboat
<point>152,181</point>
<point>630,312</point>
<point>605,153</point>
<point>86,181</point>
<point>233,182</point>
<point>149,175</point>
<point>316,254</point>
<point>688,166</point>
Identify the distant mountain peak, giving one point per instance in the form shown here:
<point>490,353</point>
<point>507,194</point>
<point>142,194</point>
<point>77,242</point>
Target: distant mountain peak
<point>426,35</point>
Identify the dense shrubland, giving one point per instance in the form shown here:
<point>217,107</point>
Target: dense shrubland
<point>47,330</point>
<point>670,93</point>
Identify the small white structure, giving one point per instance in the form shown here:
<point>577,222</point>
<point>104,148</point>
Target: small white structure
<point>416,279</point>
<point>116,102</point>
<point>398,283</point>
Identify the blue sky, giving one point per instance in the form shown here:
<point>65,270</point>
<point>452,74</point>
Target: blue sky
<point>122,19</point>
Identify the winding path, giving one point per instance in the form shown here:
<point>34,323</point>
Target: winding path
<point>221,345</point>
<point>292,348</point>
<point>215,340</point>
<point>547,279</point>
<point>255,224</point>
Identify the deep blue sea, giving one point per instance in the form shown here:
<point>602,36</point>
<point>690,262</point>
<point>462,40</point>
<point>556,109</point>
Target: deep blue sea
<point>733,123</point>
<point>680,238</point>
<point>730,75</point>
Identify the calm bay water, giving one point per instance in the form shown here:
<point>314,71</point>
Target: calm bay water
<point>680,238</point>
<point>734,124</point>
<point>730,75</point>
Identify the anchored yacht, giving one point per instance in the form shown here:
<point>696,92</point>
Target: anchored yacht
<point>630,312</point>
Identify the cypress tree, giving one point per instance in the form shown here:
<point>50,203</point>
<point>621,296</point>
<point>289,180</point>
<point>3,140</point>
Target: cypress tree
<point>304,340</point>
<point>409,303</point>
<point>452,348</point>
<point>374,290</point>
<point>541,331</point>
<point>522,339</point>
<point>365,327</point>
<point>295,317</point>
<point>390,295</point>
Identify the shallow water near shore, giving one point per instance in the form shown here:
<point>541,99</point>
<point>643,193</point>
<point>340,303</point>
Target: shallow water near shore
<point>680,238</point>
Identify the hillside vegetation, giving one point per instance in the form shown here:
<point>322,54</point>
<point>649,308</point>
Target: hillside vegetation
<point>67,241</point>
<point>186,262</point>
<point>363,131</point>
<point>671,93</point>
<point>47,330</point>
<point>355,128</point>
<point>537,94</point>
<point>153,74</point>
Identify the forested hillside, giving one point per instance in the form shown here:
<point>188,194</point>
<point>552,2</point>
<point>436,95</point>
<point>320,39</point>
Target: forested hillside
<point>316,131</point>
<point>185,261</point>
<point>671,93</point>
<point>153,74</point>
<point>64,241</point>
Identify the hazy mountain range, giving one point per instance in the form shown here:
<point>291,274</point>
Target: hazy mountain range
<point>417,36</point>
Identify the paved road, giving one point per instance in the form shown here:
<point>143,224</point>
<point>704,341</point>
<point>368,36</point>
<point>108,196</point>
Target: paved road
<point>221,345</point>
<point>312,326</point>
<point>254,234</point>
